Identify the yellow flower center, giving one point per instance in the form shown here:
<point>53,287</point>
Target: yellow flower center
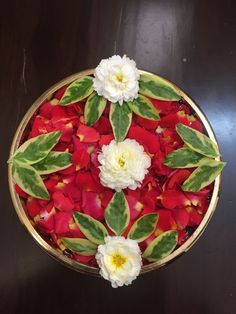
<point>121,161</point>
<point>118,260</point>
<point>120,77</point>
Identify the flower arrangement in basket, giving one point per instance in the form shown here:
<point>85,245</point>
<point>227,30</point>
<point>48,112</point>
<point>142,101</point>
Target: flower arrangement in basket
<point>116,169</point>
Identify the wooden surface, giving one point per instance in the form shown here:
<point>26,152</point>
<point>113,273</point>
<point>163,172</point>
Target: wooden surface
<point>193,43</point>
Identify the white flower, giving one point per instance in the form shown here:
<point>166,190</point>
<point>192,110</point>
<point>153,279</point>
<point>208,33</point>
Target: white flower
<point>119,260</point>
<point>116,79</point>
<point>123,165</point>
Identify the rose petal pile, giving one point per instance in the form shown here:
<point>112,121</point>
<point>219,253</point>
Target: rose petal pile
<point>79,188</point>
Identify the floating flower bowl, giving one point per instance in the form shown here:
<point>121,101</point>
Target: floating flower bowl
<point>55,251</point>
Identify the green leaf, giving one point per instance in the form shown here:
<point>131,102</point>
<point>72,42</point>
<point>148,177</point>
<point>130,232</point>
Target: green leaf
<point>143,227</point>
<point>143,107</point>
<point>37,148</point>
<point>184,158</point>
<point>82,246</point>
<point>162,246</point>
<point>117,213</point>
<point>197,141</point>
<point>156,87</point>
<point>120,119</point>
<point>94,108</point>
<point>203,175</point>
<point>78,90</point>
<point>53,162</point>
<point>93,229</point>
<point>29,180</point>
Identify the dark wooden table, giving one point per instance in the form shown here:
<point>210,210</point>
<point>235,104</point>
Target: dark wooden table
<point>193,43</point>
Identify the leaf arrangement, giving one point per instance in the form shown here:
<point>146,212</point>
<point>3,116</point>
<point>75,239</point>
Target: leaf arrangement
<point>199,152</point>
<point>117,217</point>
<point>35,158</point>
<point>120,116</point>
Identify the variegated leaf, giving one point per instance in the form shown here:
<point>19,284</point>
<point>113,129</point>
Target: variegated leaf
<point>29,180</point>
<point>93,229</point>
<point>120,119</point>
<point>143,107</point>
<point>117,213</point>
<point>53,162</point>
<point>204,175</point>
<point>94,108</point>
<point>77,91</point>
<point>161,246</point>
<point>156,87</point>
<point>197,141</point>
<point>143,227</point>
<point>184,158</point>
<point>37,148</point>
<point>81,246</point>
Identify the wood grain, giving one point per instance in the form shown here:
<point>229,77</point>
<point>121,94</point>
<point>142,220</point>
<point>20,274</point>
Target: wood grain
<point>190,42</point>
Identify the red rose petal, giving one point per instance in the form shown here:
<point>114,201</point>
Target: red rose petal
<point>33,207</point>
<point>103,126</point>
<point>73,192</point>
<point>62,221</point>
<point>80,159</point>
<point>165,222</point>
<point>181,217</point>
<point>106,139</point>
<point>145,138</point>
<point>194,218</point>
<point>182,236</point>
<point>176,178</point>
<point>46,222</point>
<point>20,192</point>
<point>85,182</point>
<point>147,124</point>
<point>45,109</point>
<point>91,205</point>
<point>62,202</point>
<point>58,94</point>
<point>135,207</point>
<point>106,197</point>
<point>82,259</point>
<point>171,199</point>
<point>87,134</point>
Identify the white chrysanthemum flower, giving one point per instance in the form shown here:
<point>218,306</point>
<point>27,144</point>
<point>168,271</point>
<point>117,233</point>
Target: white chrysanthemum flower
<point>123,165</point>
<point>116,79</point>
<point>119,260</point>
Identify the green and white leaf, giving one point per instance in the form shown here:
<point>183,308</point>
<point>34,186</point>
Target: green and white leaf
<point>53,162</point>
<point>117,213</point>
<point>82,246</point>
<point>120,119</point>
<point>143,107</point>
<point>204,175</point>
<point>143,227</point>
<point>156,87</point>
<point>93,229</point>
<point>162,246</point>
<point>184,158</point>
<point>29,180</point>
<point>77,91</point>
<point>197,141</point>
<point>37,148</point>
<point>94,108</point>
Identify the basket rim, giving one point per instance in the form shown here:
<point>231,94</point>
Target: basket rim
<point>56,253</point>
